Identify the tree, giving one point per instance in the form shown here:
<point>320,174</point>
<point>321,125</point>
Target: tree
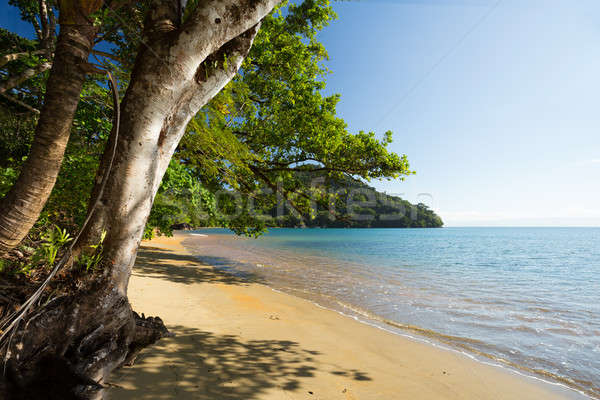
<point>270,123</point>
<point>21,207</point>
<point>179,69</point>
<point>271,126</point>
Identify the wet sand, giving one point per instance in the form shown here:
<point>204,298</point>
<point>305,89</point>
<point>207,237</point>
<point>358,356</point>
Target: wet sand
<point>241,340</point>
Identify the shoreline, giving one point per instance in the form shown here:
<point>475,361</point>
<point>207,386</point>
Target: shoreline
<point>243,340</point>
<point>389,327</point>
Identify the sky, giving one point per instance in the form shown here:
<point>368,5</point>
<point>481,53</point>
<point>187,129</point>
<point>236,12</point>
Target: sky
<point>495,103</point>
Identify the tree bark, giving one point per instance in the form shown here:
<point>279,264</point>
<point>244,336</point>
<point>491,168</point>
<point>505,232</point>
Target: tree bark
<point>91,332</point>
<point>170,82</point>
<point>14,81</point>
<point>151,128</point>
<point>15,56</point>
<point>66,348</point>
<point>21,207</point>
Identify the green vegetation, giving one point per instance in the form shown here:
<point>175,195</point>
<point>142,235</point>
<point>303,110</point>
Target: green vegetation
<point>358,205</point>
<point>254,149</point>
<point>352,204</point>
<point>212,130</point>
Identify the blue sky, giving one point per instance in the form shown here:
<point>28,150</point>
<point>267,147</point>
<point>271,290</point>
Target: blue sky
<point>496,104</point>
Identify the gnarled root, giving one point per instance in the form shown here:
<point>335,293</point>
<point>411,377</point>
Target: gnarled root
<point>68,347</point>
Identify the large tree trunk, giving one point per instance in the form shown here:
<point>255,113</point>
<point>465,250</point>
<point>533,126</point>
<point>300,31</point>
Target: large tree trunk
<point>21,207</point>
<point>92,331</point>
<point>66,349</point>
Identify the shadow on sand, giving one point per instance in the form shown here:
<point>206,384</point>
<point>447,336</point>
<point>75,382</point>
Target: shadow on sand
<point>201,365</point>
<point>185,269</point>
<point>196,364</point>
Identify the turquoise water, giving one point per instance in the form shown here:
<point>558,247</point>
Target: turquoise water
<point>528,298</point>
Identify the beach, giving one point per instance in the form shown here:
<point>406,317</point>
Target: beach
<point>240,340</point>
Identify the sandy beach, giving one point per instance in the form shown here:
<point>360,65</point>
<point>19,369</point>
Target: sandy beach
<point>240,340</point>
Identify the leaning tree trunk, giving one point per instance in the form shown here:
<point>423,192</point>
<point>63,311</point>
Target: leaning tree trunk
<point>21,207</point>
<point>92,331</point>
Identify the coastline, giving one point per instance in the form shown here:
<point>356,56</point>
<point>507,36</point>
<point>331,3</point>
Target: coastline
<point>241,340</point>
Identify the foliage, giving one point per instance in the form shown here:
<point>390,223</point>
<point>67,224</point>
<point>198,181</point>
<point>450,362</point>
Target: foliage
<point>52,242</point>
<point>352,204</point>
<point>49,242</point>
<point>261,141</point>
<point>91,261</point>
<point>30,91</point>
<point>8,176</point>
<point>16,133</point>
<point>68,203</point>
<point>180,199</point>
<point>272,122</point>
<point>358,205</point>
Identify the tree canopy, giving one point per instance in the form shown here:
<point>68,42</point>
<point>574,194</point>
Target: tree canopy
<point>268,130</point>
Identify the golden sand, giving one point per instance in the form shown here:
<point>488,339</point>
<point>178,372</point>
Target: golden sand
<point>241,341</point>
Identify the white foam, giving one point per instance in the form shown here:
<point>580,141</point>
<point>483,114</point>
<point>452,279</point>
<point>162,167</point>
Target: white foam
<point>440,346</point>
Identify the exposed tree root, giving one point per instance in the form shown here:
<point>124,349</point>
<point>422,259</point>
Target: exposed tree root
<point>68,347</point>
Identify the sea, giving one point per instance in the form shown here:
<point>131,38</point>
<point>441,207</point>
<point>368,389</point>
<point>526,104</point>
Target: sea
<point>527,299</point>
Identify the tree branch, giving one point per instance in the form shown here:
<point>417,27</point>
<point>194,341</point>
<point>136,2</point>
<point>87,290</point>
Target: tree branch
<point>257,100</point>
<point>19,102</point>
<point>44,20</point>
<point>285,167</point>
<point>115,5</point>
<point>107,55</point>
<point>29,73</point>
<point>215,23</point>
<point>275,189</point>
<point>38,30</point>
<point>51,24</point>
<point>15,56</point>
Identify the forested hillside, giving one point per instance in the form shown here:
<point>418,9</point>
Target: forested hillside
<point>352,204</point>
